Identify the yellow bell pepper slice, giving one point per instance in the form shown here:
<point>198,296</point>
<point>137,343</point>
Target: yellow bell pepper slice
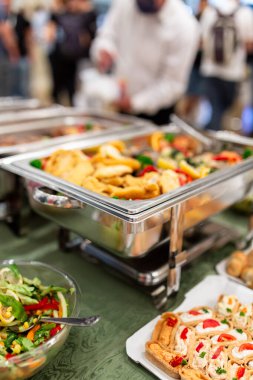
<point>187,168</point>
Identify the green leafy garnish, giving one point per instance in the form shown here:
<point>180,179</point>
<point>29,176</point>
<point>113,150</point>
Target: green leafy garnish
<point>202,355</point>
<point>144,160</point>
<point>205,311</point>
<point>240,331</point>
<point>248,152</point>
<point>89,126</point>
<point>184,362</point>
<point>170,137</point>
<point>220,371</point>
<point>242,314</point>
<point>17,308</point>
<point>229,310</point>
<point>36,164</point>
<point>225,321</point>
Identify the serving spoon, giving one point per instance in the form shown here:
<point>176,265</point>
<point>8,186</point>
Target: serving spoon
<point>77,322</point>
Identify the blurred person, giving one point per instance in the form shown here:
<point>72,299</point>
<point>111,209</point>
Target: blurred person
<point>21,70</point>
<point>227,33</point>
<point>72,32</point>
<point>9,53</point>
<point>150,46</point>
<point>189,106</point>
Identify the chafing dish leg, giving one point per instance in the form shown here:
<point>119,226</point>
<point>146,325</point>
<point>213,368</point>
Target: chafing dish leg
<point>66,243</point>
<point>175,250</point>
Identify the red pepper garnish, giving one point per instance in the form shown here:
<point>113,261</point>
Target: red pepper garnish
<point>55,330</point>
<point>44,163</point>
<point>184,333</point>
<point>147,169</point>
<point>171,322</point>
<point>176,361</point>
<point>217,353</point>
<point>210,323</point>
<point>194,312</point>
<point>232,157</point>
<point>246,346</point>
<point>188,178</point>
<point>225,338</point>
<point>200,345</point>
<point>240,373</point>
<point>44,304</point>
<point>9,356</point>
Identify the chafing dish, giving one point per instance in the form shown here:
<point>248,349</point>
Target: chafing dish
<point>130,229</point>
<point>64,118</point>
<point>17,103</point>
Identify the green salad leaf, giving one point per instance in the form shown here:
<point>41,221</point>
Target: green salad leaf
<point>17,308</point>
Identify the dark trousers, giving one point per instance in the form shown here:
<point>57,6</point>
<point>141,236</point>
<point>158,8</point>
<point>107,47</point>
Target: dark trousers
<point>162,117</point>
<point>221,95</point>
<point>63,76</point>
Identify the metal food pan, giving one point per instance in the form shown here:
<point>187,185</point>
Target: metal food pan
<point>109,123</point>
<point>130,228</point>
<point>13,104</point>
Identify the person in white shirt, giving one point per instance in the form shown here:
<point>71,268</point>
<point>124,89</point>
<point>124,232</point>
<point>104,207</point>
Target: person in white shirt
<point>222,79</point>
<point>150,45</point>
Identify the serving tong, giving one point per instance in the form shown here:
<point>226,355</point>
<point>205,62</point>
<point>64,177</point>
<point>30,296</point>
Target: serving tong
<point>77,322</point>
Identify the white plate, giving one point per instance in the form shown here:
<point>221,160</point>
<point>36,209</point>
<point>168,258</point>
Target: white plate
<point>205,293</point>
<point>221,269</point>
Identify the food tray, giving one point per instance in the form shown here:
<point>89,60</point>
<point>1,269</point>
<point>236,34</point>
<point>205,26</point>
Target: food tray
<point>221,270</point>
<point>35,124</point>
<point>128,228</point>
<point>199,295</point>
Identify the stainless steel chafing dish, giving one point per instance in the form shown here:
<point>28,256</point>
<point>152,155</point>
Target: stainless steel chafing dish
<point>64,117</point>
<point>130,229</point>
<point>16,103</point>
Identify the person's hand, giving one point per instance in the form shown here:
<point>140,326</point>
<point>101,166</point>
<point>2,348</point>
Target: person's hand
<point>105,61</point>
<point>124,104</point>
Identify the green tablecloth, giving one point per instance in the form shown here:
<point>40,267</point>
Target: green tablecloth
<point>99,352</point>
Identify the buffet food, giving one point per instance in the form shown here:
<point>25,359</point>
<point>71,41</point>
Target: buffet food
<point>22,302</point>
<point>205,343</point>
<point>29,137</point>
<point>128,172</point>
<point>240,265</point>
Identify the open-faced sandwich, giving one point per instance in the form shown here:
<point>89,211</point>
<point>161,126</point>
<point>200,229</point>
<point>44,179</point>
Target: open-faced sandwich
<point>205,343</point>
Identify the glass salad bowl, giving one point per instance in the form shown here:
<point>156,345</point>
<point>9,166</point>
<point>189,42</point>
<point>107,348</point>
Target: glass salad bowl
<point>26,364</point>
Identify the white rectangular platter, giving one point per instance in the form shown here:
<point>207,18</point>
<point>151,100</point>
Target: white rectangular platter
<point>205,293</point>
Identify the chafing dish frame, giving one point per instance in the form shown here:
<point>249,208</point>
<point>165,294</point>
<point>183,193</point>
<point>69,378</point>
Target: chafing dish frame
<point>219,190</point>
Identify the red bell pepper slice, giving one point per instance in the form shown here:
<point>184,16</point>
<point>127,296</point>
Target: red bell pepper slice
<point>200,345</point>
<point>188,178</point>
<point>210,323</point>
<point>176,361</point>
<point>217,353</point>
<point>9,356</point>
<point>171,322</point>
<point>228,156</point>
<point>225,338</point>
<point>184,333</point>
<point>246,346</point>
<point>240,373</point>
<point>55,330</point>
<point>44,304</point>
<point>147,169</point>
<point>194,312</point>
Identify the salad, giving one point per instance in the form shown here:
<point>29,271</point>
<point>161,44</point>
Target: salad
<point>22,302</point>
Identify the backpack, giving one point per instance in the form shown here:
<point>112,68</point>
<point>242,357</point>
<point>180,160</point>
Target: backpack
<point>75,35</point>
<point>223,40</point>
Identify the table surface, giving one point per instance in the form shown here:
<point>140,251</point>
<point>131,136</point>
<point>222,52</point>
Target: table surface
<point>99,352</point>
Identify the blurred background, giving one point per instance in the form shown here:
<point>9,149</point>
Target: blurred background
<point>33,68</point>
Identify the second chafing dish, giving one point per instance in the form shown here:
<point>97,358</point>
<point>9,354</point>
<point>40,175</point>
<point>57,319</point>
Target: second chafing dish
<point>131,228</point>
<point>12,104</point>
<point>52,120</point>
